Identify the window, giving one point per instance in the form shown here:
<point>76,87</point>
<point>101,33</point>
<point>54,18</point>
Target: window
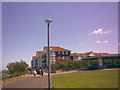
<point>50,48</point>
<point>66,57</point>
<point>66,52</point>
<point>54,61</point>
<point>58,52</point>
<point>59,57</point>
<point>53,57</point>
<point>79,57</point>
<point>62,52</point>
<point>63,57</point>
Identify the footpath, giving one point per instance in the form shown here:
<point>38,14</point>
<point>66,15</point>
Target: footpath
<point>29,81</point>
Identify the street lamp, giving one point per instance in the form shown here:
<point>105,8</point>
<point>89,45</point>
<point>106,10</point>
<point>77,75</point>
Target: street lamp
<point>48,21</point>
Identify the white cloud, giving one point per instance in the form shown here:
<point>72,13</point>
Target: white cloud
<point>100,31</point>
<point>106,41</point>
<point>98,41</point>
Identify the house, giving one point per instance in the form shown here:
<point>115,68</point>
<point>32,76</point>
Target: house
<point>38,53</point>
<point>33,62</point>
<point>57,54</point>
<point>75,56</point>
<point>80,56</point>
<point>36,60</point>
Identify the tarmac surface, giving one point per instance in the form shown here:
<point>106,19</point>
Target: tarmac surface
<point>28,82</point>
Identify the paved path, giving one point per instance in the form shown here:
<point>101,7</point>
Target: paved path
<point>28,82</point>
<point>34,82</point>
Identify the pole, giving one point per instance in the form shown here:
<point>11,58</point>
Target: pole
<point>49,66</point>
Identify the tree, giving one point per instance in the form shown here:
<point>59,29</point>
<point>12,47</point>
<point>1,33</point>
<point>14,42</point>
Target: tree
<point>56,66</point>
<point>11,67</point>
<point>61,64</point>
<point>5,71</point>
<point>77,64</point>
<point>17,67</point>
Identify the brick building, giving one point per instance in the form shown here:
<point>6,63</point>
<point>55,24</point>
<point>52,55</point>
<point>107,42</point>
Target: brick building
<point>57,54</point>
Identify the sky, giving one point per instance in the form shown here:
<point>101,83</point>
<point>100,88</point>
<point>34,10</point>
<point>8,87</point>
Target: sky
<point>0,37</point>
<point>78,26</point>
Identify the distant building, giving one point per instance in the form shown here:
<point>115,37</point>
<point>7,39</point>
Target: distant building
<point>57,54</point>
<point>80,56</point>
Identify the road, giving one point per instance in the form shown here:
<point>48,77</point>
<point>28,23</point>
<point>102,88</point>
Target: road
<point>28,82</point>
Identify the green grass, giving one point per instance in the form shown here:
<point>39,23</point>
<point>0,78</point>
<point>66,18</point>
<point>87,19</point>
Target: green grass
<point>94,79</point>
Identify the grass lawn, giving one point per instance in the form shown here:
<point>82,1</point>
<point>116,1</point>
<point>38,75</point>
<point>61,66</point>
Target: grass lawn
<point>93,79</point>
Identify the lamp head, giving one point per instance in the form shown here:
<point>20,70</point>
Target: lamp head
<point>48,21</point>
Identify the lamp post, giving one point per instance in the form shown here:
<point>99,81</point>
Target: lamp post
<point>48,21</point>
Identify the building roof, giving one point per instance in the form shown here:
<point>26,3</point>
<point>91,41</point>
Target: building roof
<point>56,48</point>
<point>33,57</point>
<point>39,53</point>
<point>112,55</point>
<point>88,53</point>
<point>99,54</point>
<point>76,54</point>
<point>81,54</point>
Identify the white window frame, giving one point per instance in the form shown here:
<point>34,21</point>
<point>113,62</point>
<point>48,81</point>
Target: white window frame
<point>50,48</point>
<point>59,57</point>
<point>63,57</point>
<point>79,58</point>
<point>54,57</point>
<point>66,52</point>
<point>54,61</point>
<point>66,57</point>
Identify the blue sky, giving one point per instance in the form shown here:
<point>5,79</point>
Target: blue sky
<point>79,27</point>
<point>0,37</point>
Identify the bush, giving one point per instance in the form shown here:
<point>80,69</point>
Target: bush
<point>17,67</point>
<point>93,67</point>
<point>66,65</point>
<point>53,70</point>
<point>113,66</point>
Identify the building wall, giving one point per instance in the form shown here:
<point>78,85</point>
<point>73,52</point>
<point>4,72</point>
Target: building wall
<point>34,63</point>
<point>76,58</point>
<point>55,56</point>
<point>62,56</point>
